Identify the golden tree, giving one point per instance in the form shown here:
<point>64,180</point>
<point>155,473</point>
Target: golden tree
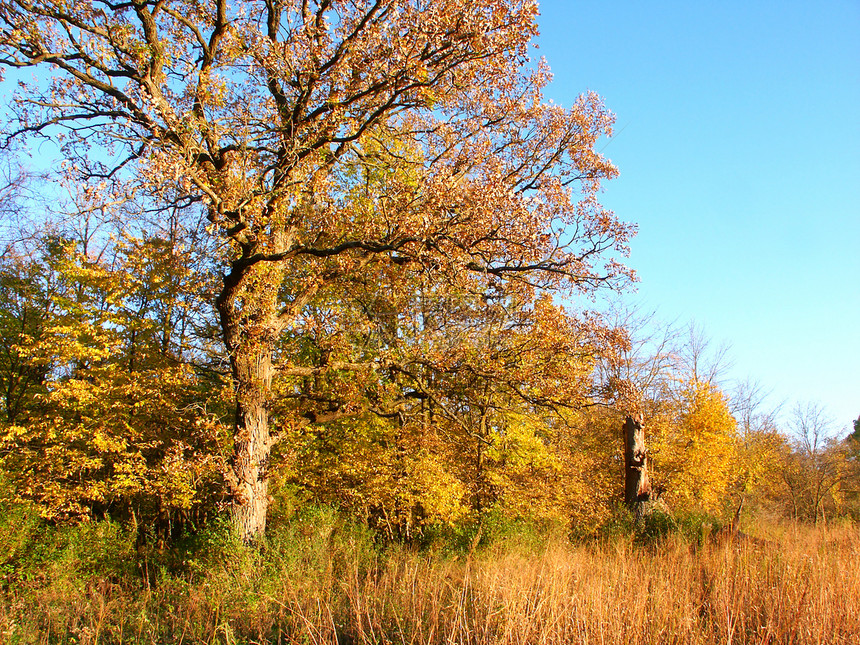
<point>267,114</point>
<point>696,449</point>
<point>115,422</point>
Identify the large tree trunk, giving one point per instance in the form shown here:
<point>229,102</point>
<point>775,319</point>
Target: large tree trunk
<point>252,371</point>
<point>248,309</point>
<point>637,486</point>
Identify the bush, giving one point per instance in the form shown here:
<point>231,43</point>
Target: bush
<point>621,525</point>
<point>695,527</point>
<point>655,526</point>
<point>692,526</point>
<point>19,527</point>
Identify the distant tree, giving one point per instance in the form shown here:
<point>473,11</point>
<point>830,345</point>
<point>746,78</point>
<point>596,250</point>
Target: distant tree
<point>850,487</point>
<point>695,445</point>
<point>816,467</point>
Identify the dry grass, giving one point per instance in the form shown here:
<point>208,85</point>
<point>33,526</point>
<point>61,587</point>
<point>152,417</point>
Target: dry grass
<point>799,588</point>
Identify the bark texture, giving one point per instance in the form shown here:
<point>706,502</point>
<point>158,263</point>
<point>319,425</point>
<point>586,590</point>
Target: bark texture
<point>637,485</point>
<point>250,322</point>
<point>252,444</point>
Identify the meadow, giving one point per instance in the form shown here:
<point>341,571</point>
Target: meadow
<point>320,579</point>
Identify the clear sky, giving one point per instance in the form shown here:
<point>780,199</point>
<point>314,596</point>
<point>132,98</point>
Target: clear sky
<point>738,142</point>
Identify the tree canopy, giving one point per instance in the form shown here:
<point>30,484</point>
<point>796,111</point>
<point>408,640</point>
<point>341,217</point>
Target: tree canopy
<point>340,150</point>
<point>343,246</point>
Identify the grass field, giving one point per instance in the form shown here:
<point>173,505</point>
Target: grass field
<point>323,581</point>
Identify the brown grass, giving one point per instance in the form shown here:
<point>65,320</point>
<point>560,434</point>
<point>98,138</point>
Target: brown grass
<point>799,588</point>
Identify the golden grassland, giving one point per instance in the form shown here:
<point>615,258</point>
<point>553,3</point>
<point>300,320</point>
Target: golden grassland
<point>324,582</point>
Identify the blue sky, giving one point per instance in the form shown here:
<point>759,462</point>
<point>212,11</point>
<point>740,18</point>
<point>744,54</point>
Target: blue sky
<point>738,142</point>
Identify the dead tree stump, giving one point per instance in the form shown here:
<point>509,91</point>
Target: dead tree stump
<point>638,494</point>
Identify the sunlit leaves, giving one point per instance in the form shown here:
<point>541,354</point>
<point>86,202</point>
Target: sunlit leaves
<point>695,448</point>
<point>118,423</point>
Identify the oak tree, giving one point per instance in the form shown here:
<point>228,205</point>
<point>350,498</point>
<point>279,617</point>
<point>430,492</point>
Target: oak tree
<point>268,114</point>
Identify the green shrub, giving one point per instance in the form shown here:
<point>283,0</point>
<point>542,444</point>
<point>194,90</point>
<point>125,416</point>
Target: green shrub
<point>695,527</point>
<point>20,525</point>
<point>621,525</point>
<point>655,526</point>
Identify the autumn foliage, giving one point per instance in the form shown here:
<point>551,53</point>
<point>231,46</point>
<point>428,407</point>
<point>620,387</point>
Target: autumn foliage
<point>341,253</point>
<point>336,149</point>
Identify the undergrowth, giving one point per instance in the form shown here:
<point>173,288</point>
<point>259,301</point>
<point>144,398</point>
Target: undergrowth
<point>320,578</point>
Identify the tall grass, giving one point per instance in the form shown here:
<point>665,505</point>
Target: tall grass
<point>320,579</point>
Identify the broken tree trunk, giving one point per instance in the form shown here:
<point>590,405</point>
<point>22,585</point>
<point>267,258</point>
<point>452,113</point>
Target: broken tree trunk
<point>637,485</point>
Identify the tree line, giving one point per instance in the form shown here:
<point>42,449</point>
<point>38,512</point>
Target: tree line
<point>338,252</point>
